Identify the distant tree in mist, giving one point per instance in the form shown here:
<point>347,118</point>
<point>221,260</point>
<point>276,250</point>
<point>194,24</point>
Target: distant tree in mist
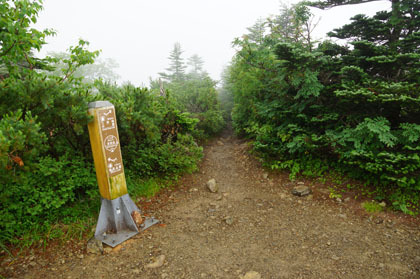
<point>225,94</point>
<point>176,69</point>
<point>256,31</point>
<point>100,69</point>
<point>195,92</point>
<point>196,63</point>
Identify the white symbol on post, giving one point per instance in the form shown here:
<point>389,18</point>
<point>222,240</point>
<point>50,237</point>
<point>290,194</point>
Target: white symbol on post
<point>107,123</point>
<point>114,165</point>
<point>111,143</point>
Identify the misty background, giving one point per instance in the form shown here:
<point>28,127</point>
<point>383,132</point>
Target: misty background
<point>139,35</point>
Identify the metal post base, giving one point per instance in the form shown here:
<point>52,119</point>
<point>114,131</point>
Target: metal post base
<point>115,224</point>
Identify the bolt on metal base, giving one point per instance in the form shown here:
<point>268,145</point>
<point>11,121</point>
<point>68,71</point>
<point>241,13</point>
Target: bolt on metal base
<point>115,223</point>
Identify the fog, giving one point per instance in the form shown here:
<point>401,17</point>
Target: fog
<point>139,35</point>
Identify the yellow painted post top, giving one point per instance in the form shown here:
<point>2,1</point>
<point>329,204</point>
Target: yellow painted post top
<point>105,142</point>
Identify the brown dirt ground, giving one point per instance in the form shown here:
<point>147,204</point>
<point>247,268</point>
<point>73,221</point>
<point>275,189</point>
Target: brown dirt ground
<point>272,232</point>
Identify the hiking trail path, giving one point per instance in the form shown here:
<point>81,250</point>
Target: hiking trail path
<point>253,223</point>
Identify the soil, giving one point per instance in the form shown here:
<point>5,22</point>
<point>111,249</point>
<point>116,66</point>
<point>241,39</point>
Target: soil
<point>253,223</point>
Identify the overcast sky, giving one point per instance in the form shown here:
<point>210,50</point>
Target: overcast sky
<point>139,34</point>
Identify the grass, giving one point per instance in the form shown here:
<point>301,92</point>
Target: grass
<point>372,207</point>
<point>80,220</point>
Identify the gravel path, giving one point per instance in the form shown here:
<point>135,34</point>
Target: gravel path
<point>253,223</point>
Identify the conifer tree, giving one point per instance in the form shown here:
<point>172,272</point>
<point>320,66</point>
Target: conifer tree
<point>176,70</point>
<point>196,63</point>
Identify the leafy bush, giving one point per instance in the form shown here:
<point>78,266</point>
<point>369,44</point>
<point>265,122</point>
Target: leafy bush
<point>46,169</point>
<point>43,193</point>
<point>355,109</point>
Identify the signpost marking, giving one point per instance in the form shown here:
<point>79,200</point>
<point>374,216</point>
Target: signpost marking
<point>115,222</point>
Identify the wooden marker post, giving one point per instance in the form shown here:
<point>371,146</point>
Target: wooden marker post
<point>115,222</point>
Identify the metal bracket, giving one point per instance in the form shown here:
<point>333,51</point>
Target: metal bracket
<point>115,224</point>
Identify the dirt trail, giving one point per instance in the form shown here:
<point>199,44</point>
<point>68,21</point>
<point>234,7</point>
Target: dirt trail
<point>252,224</point>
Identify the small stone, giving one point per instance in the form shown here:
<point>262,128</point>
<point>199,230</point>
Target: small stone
<point>137,218</point>
<point>220,143</point>
<point>300,183</point>
<point>328,243</point>
<point>159,261</point>
<point>107,250</point>
<point>344,216</point>
<point>382,204</point>
<point>347,199</point>
<point>301,191</point>
<point>265,175</point>
<point>193,190</point>
<point>251,275</point>
<point>229,220</point>
<point>94,246</point>
<point>379,220</point>
<point>219,198</point>
<point>335,258</point>
<point>338,200</point>
<point>33,264</point>
<point>212,186</point>
<point>80,256</point>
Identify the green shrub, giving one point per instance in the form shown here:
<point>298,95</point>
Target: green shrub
<point>355,109</point>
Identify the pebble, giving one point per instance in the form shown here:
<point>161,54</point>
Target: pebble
<point>265,175</point>
<point>251,275</point>
<point>159,261</point>
<point>301,191</point>
<point>137,218</point>
<point>108,250</point>
<point>94,246</point>
<point>212,186</point>
<point>229,220</point>
<point>378,220</point>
